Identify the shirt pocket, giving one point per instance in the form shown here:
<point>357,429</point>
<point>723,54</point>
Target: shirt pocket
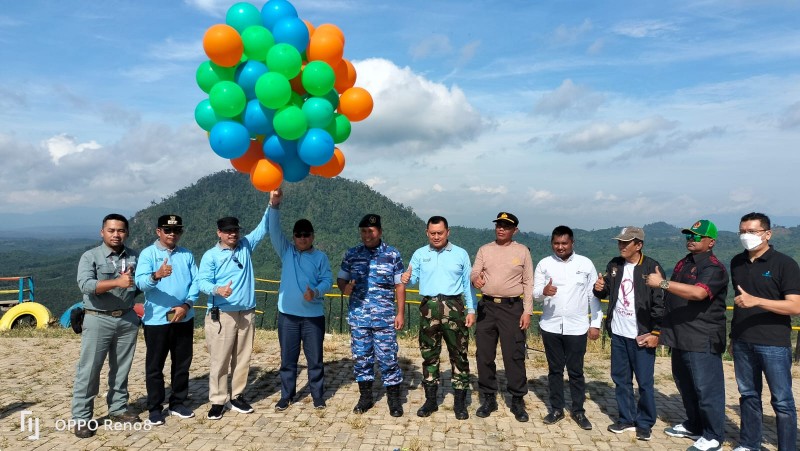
<point>106,271</point>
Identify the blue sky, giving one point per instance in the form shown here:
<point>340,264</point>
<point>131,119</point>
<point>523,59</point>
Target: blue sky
<point>590,114</point>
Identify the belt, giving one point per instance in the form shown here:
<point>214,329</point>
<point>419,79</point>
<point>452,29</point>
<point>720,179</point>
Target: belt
<point>488,298</point>
<point>442,297</point>
<point>114,313</point>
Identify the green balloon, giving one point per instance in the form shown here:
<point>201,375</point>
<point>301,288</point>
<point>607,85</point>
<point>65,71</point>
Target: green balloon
<point>333,97</point>
<point>273,90</point>
<point>318,111</point>
<point>339,128</point>
<point>227,98</point>
<point>318,78</point>
<point>205,116</point>
<point>297,100</point>
<point>284,59</point>
<point>257,42</point>
<point>208,74</point>
<point>290,122</point>
<point>242,15</point>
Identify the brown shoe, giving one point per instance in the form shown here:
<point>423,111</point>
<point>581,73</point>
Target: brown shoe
<point>126,416</point>
<point>84,431</point>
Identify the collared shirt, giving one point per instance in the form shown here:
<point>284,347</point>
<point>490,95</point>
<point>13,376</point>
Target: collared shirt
<point>445,271</point>
<point>221,265</point>
<point>299,270</point>
<point>103,263</point>
<point>772,275</point>
<point>507,271</point>
<point>163,295</point>
<point>566,312</point>
<point>376,273</point>
<point>697,326</point>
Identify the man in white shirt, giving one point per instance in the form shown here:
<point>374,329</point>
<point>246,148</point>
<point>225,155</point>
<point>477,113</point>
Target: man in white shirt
<point>564,282</point>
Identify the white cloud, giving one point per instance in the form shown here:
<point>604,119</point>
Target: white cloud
<point>568,97</point>
<point>603,135</point>
<point>432,46</point>
<point>438,188</point>
<point>484,189</point>
<point>539,196</point>
<point>565,35</point>
<point>62,145</point>
<point>603,196</point>
<point>645,28</point>
<point>791,116</point>
<point>372,182</point>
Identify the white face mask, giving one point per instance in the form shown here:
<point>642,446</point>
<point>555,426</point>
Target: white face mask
<point>750,241</point>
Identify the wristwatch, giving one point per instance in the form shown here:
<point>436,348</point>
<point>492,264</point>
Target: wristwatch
<point>664,284</point>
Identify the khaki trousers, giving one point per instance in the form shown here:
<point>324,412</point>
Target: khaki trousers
<point>230,344</point>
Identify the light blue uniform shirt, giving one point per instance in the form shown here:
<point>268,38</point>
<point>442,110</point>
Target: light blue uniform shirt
<point>219,266</point>
<point>299,270</point>
<point>443,272</point>
<point>179,287</point>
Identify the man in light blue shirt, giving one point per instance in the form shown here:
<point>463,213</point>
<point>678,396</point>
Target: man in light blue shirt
<point>305,278</point>
<point>226,276</point>
<point>447,310</point>
<point>166,274</point>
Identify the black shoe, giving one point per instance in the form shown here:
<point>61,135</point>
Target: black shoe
<point>86,430</point>
<point>430,406</point>
<point>126,416</point>
<point>581,420</point>
<point>239,404</point>
<point>518,409</point>
<point>181,411</point>
<point>393,399</point>
<point>282,404</point>
<point>619,428</point>
<point>643,434</point>
<point>488,405</point>
<point>319,404</point>
<point>460,404</point>
<point>554,417</point>
<point>216,411</point>
<point>156,417</point>
<point>365,401</point>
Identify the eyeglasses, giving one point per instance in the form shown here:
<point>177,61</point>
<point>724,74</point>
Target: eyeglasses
<point>236,260</point>
<point>754,232</point>
<point>693,237</point>
<point>302,234</point>
<point>175,230</point>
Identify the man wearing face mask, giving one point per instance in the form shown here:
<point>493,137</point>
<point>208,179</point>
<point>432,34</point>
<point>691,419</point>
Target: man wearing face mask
<point>767,287</point>
<point>694,327</point>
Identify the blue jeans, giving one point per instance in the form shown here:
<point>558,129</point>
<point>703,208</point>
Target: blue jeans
<point>701,383</point>
<point>775,362</point>
<point>627,359</point>
<point>311,331</point>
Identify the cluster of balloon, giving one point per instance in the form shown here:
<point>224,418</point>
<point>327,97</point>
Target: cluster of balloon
<point>281,95</point>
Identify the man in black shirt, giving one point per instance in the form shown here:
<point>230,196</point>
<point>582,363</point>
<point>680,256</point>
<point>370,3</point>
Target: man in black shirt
<point>694,327</point>
<point>767,286</point>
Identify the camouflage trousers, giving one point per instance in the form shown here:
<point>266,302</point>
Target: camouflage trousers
<point>443,317</point>
<point>367,343</point>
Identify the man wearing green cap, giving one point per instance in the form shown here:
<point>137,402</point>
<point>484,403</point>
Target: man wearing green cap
<point>694,327</point>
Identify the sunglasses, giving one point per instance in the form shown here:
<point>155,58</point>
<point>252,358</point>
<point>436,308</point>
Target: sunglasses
<point>693,237</point>
<point>175,230</point>
<point>302,234</point>
<point>236,260</point>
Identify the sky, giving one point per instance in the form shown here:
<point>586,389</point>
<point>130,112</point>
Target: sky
<point>584,113</point>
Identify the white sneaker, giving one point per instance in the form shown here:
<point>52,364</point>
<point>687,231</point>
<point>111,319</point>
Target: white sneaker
<point>703,444</point>
<point>679,431</point>
<point>742,448</point>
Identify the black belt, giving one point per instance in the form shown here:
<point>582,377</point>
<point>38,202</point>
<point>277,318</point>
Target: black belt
<point>488,298</point>
<point>114,313</point>
<point>442,297</point>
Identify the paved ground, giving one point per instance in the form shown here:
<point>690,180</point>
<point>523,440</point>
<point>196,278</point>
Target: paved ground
<point>37,376</point>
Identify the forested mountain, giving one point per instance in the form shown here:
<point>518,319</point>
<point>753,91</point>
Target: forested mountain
<point>335,206</point>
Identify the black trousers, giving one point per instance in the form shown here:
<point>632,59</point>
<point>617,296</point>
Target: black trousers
<point>566,350</point>
<point>175,340</point>
<point>500,321</point>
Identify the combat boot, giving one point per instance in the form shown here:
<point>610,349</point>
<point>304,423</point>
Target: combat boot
<point>365,401</point>
<point>393,399</point>
<point>518,408</point>
<point>460,404</point>
<point>430,406</point>
<point>488,405</point>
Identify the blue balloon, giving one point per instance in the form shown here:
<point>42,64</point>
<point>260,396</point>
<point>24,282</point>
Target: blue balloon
<point>292,31</point>
<point>229,139</point>
<point>280,150</point>
<point>275,10</point>
<point>242,15</point>
<point>247,75</point>
<point>315,148</point>
<point>258,118</point>
<point>294,169</point>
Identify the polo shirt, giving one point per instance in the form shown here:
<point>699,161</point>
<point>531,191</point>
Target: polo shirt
<point>773,275</point>
<point>697,326</point>
<point>444,271</point>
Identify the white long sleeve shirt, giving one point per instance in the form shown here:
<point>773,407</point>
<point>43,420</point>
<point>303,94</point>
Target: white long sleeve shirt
<point>566,312</point>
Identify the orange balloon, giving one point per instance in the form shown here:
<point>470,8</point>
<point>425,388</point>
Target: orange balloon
<point>245,163</point>
<point>223,45</point>
<point>326,47</point>
<point>356,104</point>
<point>297,82</point>
<point>310,26</point>
<point>333,167</point>
<point>345,75</point>
<point>266,176</point>
<point>330,28</point>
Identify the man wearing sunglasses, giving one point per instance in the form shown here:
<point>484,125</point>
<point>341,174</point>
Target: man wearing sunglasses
<point>305,278</point>
<point>694,327</point>
<point>166,274</point>
<point>226,276</point>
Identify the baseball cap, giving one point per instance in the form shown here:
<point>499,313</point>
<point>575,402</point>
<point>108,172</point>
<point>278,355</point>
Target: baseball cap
<point>303,225</point>
<point>630,233</point>
<point>507,217</point>
<point>227,224</point>
<point>703,227</point>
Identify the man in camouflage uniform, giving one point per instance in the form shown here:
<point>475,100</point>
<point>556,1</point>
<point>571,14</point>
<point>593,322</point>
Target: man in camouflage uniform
<point>370,275</point>
<point>447,310</point>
